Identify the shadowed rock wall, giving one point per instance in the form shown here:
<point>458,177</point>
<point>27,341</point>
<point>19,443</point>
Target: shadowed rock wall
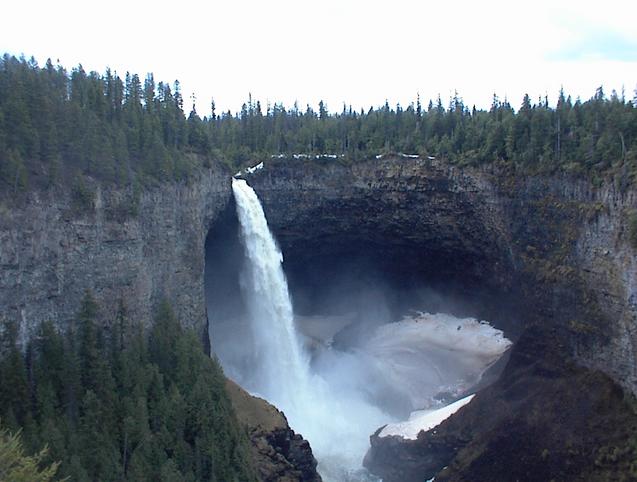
<point>531,250</point>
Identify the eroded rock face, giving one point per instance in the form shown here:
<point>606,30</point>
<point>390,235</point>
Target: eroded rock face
<point>50,253</point>
<point>547,250</point>
<point>279,454</point>
<point>552,251</point>
<point>545,419</point>
<point>528,251</point>
<point>413,219</point>
<point>548,258</point>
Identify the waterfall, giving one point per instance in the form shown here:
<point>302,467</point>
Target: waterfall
<point>281,368</point>
<point>336,419</point>
<point>338,400</point>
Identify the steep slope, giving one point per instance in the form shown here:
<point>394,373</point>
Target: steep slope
<point>544,419</point>
<point>279,454</point>
<point>51,251</point>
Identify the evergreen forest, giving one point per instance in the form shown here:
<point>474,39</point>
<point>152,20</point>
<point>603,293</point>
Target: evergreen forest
<point>57,125</point>
<point>109,402</point>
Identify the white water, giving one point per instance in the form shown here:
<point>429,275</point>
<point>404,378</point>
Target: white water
<point>336,403</point>
<point>282,369</point>
<point>337,424</point>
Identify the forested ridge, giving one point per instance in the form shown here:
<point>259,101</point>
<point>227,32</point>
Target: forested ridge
<point>113,403</point>
<point>61,125</point>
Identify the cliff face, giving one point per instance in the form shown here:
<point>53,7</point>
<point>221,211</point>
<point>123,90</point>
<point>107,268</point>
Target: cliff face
<point>51,252</point>
<point>547,259</point>
<point>530,249</point>
<point>523,251</point>
<point>552,251</point>
<point>608,264</point>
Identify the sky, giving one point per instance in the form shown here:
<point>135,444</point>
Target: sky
<point>356,52</point>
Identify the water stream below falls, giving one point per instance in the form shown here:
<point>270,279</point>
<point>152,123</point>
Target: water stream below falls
<point>336,398</point>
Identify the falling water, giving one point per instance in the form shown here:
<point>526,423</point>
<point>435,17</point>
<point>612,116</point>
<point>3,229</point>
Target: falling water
<point>336,424</point>
<point>334,405</point>
<point>282,369</point>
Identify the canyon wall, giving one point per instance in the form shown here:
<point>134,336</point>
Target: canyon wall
<point>547,250</point>
<point>552,252</point>
<point>546,258</point>
<point>532,249</point>
<point>52,251</point>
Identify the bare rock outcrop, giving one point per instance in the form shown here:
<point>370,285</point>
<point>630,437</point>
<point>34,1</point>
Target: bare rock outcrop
<point>279,454</point>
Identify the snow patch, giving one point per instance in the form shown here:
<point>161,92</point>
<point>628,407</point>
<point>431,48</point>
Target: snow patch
<point>249,170</point>
<point>428,357</point>
<point>423,420</point>
<point>307,156</point>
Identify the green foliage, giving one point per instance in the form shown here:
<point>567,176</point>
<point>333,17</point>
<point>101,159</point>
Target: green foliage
<point>16,466</point>
<point>58,124</point>
<point>55,124</point>
<point>13,373</point>
<point>114,403</point>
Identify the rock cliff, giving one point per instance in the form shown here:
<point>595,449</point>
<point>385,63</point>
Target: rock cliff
<point>547,250</point>
<point>546,258</point>
<point>279,454</point>
<point>523,251</point>
<point>51,252</point>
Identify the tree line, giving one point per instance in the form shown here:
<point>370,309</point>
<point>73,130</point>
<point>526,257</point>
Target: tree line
<point>113,403</point>
<point>55,124</point>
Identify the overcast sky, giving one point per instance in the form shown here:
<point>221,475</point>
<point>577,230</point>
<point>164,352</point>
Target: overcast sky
<point>353,51</point>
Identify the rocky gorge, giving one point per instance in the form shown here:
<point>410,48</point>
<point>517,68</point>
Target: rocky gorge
<point>546,258</point>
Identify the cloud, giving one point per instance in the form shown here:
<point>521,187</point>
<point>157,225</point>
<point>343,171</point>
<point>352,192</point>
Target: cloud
<point>597,45</point>
<point>355,51</point>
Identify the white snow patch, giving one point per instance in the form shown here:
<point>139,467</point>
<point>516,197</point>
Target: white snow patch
<point>250,170</point>
<point>426,355</point>
<point>423,420</point>
<point>307,156</point>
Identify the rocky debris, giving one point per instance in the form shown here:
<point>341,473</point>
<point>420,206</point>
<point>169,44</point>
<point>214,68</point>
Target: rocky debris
<point>395,459</point>
<point>279,454</point>
<point>545,419</point>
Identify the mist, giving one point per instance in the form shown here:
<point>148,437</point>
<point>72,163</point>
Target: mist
<point>368,352</point>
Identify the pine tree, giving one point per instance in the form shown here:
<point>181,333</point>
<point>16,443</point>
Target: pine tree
<point>16,466</point>
<point>14,396</point>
